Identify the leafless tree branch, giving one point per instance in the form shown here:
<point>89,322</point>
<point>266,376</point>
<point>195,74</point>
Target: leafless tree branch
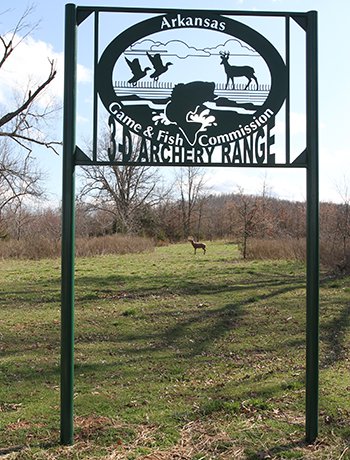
<point>30,98</point>
<point>8,40</point>
<point>22,124</point>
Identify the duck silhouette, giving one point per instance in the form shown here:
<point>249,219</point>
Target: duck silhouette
<point>159,67</point>
<point>136,70</point>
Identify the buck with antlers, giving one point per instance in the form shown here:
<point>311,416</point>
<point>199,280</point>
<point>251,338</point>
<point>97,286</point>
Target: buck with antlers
<point>197,245</point>
<point>237,71</point>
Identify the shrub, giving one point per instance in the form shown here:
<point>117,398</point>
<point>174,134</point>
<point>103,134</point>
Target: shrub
<point>333,257</point>
<point>34,248</point>
<point>43,248</point>
<point>112,244</point>
<point>287,248</point>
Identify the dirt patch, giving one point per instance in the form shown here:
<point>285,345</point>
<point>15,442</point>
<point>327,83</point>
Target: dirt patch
<point>88,427</point>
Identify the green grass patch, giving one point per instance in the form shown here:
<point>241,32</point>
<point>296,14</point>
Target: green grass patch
<point>175,354</point>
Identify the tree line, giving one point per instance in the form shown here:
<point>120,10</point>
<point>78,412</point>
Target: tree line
<point>119,204</point>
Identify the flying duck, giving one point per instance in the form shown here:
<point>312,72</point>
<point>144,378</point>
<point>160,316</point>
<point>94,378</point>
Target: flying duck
<point>136,70</point>
<point>159,67</point>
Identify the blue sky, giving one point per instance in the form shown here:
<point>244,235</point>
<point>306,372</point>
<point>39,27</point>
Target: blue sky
<point>334,95</point>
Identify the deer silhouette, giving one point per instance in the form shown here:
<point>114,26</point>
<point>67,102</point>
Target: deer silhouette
<point>237,71</point>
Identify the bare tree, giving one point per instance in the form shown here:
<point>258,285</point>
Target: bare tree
<point>191,185</point>
<point>247,214</point>
<point>23,122</point>
<point>125,192</point>
<point>343,223</point>
<point>19,179</point>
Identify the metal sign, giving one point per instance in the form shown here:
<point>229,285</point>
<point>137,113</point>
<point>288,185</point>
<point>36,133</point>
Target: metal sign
<point>154,80</point>
<point>194,88</point>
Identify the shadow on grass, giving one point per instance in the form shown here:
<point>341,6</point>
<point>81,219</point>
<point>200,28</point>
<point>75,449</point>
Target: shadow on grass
<point>17,449</point>
<point>195,333</point>
<point>280,451</point>
<point>11,450</point>
<point>158,284</point>
<point>175,339</point>
<point>90,288</point>
<point>222,320</point>
<point>333,334</point>
<point>189,334</point>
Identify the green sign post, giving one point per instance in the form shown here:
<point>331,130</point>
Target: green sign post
<point>159,113</point>
<point>312,287</point>
<point>68,229</point>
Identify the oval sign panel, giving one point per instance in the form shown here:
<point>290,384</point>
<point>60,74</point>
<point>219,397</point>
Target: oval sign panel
<point>192,80</point>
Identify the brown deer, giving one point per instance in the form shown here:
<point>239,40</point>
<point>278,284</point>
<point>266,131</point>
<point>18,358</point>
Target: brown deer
<point>237,71</point>
<point>197,245</point>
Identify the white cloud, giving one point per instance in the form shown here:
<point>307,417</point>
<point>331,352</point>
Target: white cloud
<point>171,48</point>
<point>283,183</point>
<point>334,169</point>
<point>297,124</point>
<point>286,183</point>
<point>182,50</point>
<point>233,46</point>
<point>29,66</point>
<point>82,119</point>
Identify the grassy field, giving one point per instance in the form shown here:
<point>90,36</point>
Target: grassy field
<point>177,357</point>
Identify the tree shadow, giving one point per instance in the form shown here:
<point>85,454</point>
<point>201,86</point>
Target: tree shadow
<point>222,321</point>
<point>5,451</point>
<point>279,451</point>
<point>333,335</point>
<point>11,450</point>
<point>209,324</point>
<point>132,286</point>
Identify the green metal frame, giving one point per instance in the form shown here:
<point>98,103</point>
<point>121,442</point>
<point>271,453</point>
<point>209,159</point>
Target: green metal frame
<point>73,156</point>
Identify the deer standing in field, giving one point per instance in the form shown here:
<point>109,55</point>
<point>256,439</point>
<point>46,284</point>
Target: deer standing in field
<point>197,245</point>
<point>237,71</point>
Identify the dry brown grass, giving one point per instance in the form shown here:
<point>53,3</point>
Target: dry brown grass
<point>332,256</point>
<point>34,249</point>
<point>113,244</point>
<point>287,248</point>
<point>198,439</point>
<point>45,248</point>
